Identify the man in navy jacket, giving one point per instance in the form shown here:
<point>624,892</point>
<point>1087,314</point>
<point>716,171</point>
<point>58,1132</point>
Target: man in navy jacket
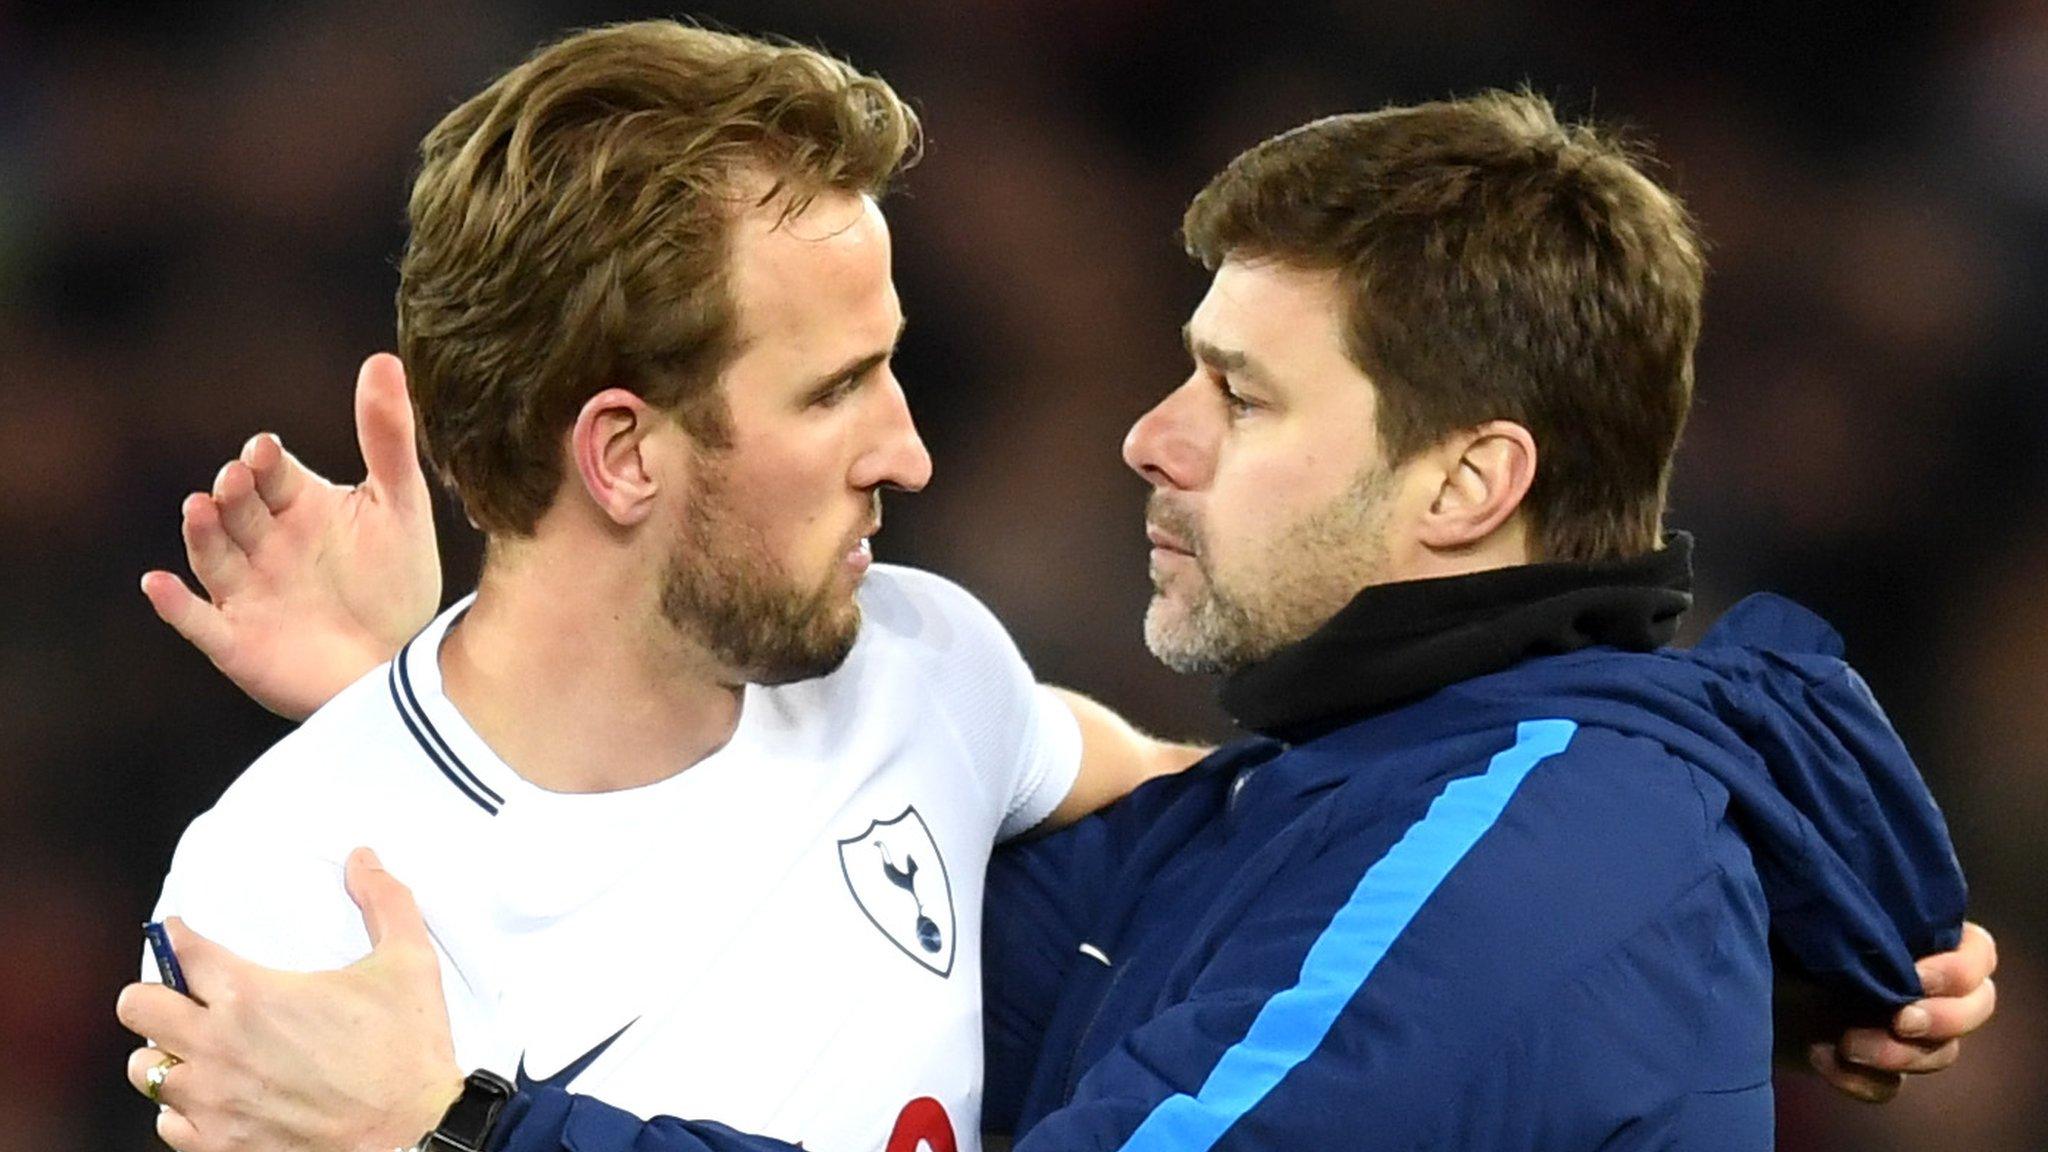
<point>1497,868</point>
<point>1502,871</point>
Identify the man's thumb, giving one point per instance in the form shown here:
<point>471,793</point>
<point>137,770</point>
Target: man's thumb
<point>389,911</point>
<point>384,429</point>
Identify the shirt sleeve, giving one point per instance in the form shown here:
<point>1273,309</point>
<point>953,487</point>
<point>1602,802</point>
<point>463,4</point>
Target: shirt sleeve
<point>1025,742</point>
<point>265,895</point>
<point>1047,765</point>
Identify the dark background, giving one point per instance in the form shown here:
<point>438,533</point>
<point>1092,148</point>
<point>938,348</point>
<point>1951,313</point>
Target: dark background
<point>200,206</point>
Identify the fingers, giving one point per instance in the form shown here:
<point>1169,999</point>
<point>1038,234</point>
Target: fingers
<point>189,614</point>
<point>157,1013</point>
<point>242,512</point>
<point>142,1060</point>
<point>384,430</point>
<point>1945,1018</point>
<point>1958,972</point>
<point>1864,1084</point>
<point>173,1129</point>
<point>1961,996</point>
<point>213,556</point>
<point>211,971</point>
<point>389,911</point>
<point>278,476</point>
<point>171,1125</point>
<point>1873,1049</point>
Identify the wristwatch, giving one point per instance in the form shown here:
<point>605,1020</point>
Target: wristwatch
<point>468,1123</point>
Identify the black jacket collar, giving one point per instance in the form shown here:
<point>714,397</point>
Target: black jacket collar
<point>1398,642</point>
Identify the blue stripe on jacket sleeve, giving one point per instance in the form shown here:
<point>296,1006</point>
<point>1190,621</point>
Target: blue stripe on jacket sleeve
<point>1293,1023</point>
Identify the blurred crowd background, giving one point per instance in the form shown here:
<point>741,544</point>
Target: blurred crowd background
<point>201,205</point>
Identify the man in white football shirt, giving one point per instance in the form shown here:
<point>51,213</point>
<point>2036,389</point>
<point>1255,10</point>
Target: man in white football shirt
<point>683,741</point>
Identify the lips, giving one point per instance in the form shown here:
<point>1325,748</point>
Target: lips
<point>1161,538</point>
<point>861,553</point>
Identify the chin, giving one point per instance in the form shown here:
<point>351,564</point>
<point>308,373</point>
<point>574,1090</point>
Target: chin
<point>1166,636</point>
<point>1212,637</point>
<point>815,647</point>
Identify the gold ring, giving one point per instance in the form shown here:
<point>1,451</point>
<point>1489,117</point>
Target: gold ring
<point>154,1078</point>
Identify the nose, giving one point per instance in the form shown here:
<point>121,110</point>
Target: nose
<point>897,457</point>
<point>1165,446</point>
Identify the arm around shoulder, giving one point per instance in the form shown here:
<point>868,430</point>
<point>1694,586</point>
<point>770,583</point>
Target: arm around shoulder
<point>551,1120</point>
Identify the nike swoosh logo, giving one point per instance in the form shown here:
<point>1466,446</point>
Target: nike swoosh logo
<point>571,1070</point>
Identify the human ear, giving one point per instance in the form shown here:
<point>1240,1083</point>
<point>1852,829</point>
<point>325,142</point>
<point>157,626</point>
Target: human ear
<point>609,449</point>
<point>1486,473</point>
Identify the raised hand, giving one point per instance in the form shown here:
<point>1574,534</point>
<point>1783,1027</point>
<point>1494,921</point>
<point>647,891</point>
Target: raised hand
<point>310,584</point>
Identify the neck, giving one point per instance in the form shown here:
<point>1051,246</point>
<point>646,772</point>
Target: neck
<point>566,670</point>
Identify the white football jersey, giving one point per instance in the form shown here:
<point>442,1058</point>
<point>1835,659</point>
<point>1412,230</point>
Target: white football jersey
<point>784,938</point>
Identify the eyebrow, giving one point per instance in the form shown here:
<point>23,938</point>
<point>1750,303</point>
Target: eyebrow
<point>861,365</point>
<point>1223,359</point>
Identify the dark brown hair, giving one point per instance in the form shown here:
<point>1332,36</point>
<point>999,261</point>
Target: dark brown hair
<point>571,228</point>
<point>1496,264</point>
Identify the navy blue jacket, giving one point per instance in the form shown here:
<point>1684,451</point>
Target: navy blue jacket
<point>1533,909</point>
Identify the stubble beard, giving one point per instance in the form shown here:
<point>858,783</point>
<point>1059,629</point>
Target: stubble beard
<point>1303,577</point>
<point>725,590</point>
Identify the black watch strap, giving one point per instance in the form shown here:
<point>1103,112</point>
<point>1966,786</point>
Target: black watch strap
<point>471,1120</point>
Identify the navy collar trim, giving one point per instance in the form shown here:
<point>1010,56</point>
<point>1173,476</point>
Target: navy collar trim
<point>430,739</point>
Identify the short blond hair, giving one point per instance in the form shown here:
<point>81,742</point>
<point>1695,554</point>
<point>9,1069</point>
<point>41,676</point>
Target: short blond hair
<point>571,228</point>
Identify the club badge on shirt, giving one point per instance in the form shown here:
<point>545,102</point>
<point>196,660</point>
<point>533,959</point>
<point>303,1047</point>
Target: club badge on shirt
<point>899,880</point>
